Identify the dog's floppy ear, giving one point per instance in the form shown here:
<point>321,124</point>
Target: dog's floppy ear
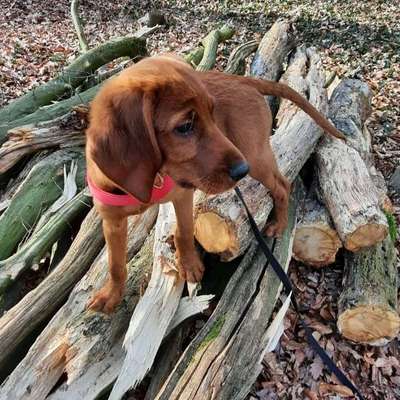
<point>123,143</point>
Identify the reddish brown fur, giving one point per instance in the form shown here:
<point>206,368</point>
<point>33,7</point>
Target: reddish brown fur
<point>132,136</point>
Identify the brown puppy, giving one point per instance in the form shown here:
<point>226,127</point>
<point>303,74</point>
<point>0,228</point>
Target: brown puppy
<point>204,130</point>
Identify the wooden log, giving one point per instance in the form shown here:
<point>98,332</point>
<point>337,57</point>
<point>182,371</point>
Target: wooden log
<point>40,303</point>
<point>221,224</point>
<point>345,181</point>
<point>236,61</point>
<point>211,360</point>
<point>316,241</point>
<point>272,54</point>
<point>64,131</point>
<point>210,44</point>
<point>37,192</point>
<point>349,108</point>
<point>30,254</point>
<point>368,311</point>
<point>77,337</point>
<point>98,377</point>
<point>71,77</point>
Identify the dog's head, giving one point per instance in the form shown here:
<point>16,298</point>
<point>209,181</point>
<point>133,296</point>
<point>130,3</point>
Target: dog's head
<point>158,116</point>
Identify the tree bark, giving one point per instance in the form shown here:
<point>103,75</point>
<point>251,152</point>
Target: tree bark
<point>37,192</point>
<point>72,77</point>
<point>77,337</point>
<point>41,241</point>
<point>64,131</point>
<point>221,225</point>
<point>211,360</point>
<point>40,303</point>
<point>76,20</point>
<point>316,241</point>
<point>272,54</point>
<point>236,63</point>
<point>368,302</point>
<point>210,44</point>
<point>349,108</point>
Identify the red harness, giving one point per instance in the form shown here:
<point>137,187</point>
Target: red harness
<point>120,200</point>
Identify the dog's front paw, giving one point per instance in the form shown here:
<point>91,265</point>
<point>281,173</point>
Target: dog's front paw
<point>107,298</point>
<point>276,228</point>
<point>190,267</point>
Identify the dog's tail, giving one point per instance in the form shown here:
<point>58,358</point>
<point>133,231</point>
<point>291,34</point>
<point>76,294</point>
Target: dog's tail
<point>281,90</point>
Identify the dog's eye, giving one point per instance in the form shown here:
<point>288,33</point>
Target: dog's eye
<point>185,129</point>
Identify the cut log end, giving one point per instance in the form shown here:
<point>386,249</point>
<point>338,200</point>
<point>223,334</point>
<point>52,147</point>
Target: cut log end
<point>316,246</point>
<point>366,236</point>
<point>215,234</point>
<point>371,325</point>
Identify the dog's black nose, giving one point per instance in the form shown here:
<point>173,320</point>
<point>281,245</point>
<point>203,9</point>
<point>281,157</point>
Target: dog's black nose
<point>239,170</point>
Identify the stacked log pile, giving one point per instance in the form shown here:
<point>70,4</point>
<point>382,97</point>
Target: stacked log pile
<point>81,354</point>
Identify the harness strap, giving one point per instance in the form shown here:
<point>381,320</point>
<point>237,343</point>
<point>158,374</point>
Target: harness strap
<point>288,287</point>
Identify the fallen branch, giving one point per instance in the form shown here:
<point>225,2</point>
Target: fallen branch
<point>368,310</point>
<point>41,241</point>
<point>221,225</point>
<point>236,61</point>
<point>76,337</point>
<point>36,193</point>
<point>40,303</point>
<point>210,44</point>
<point>77,22</point>
<point>64,131</point>
<point>71,77</point>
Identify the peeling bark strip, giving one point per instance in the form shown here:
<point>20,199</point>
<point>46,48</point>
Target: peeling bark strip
<point>221,224</point>
<point>71,77</point>
<point>64,131</point>
<point>40,303</point>
<point>316,241</point>
<point>37,192</point>
<point>211,360</point>
<point>76,337</point>
<point>368,303</point>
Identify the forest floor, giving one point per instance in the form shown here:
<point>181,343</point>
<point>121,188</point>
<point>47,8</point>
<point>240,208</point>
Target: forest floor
<point>355,39</point>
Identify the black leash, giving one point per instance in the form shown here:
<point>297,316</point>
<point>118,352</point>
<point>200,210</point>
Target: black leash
<point>280,272</point>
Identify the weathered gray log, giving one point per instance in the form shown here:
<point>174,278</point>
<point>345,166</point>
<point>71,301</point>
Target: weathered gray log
<point>236,62</point>
<point>99,376</point>
<point>221,225</point>
<point>64,131</point>
<point>316,241</point>
<point>345,181</point>
<point>349,108</point>
<point>210,44</point>
<point>215,358</point>
<point>40,303</point>
<point>77,337</point>
<point>76,20</point>
<point>272,54</point>
<point>42,240</point>
<point>368,309</point>
<point>38,191</point>
<point>71,77</point>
